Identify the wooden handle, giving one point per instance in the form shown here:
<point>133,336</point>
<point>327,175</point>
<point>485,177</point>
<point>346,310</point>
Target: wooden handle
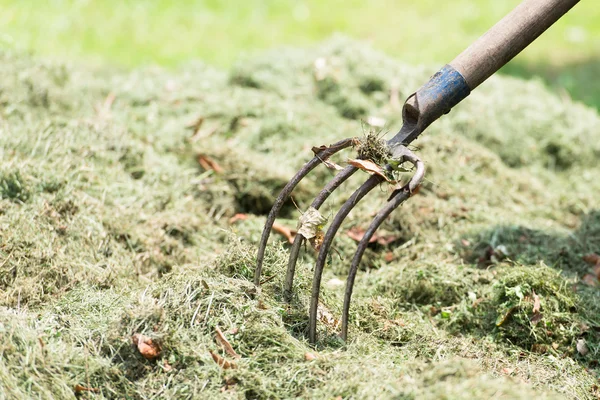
<point>508,38</point>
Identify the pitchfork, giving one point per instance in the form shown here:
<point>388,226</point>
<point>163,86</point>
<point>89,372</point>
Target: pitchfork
<point>448,87</point>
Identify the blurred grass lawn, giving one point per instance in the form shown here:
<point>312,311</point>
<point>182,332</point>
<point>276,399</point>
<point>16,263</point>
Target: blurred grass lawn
<point>136,32</point>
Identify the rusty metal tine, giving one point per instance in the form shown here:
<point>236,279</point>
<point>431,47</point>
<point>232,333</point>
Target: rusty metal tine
<point>299,239</point>
<point>285,193</point>
<point>390,206</point>
<point>365,188</point>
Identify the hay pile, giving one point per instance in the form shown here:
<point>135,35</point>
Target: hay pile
<point>119,191</point>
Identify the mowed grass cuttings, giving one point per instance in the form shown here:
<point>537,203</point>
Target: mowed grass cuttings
<point>132,204</point>
<point>137,32</point>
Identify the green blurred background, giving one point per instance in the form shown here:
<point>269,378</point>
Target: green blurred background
<point>131,33</point>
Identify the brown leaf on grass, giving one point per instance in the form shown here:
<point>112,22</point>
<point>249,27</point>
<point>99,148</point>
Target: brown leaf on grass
<point>208,163</point>
<point>261,305</point>
<point>238,217</point>
<point>289,234</point>
<point>536,303</point>
<point>389,256</point>
<point>356,233</point>
<point>309,356</point>
<point>369,167</point>
<point>222,340</point>
<point>80,389</point>
<point>592,258</point>
<point>326,317</point>
<point>221,362</point>
<point>536,317</point>
<point>229,384</point>
<point>590,280</point>
<point>148,348</point>
<point>597,271</point>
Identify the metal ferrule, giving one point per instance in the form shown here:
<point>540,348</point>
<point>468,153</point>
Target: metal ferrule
<point>444,90</point>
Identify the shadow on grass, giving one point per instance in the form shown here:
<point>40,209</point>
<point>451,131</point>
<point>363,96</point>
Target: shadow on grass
<point>529,246</point>
<point>578,78</point>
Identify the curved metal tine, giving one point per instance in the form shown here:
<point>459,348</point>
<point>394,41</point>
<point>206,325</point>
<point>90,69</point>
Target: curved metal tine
<point>397,198</point>
<point>299,239</point>
<point>365,188</point>
<point>284,194</point>
<point>391,205</point>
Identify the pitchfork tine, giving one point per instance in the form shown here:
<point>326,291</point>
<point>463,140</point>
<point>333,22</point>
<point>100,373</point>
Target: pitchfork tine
<point>396,199</point>
<point>361,192</point>
<point>285,193</point>
<point>299,239</point>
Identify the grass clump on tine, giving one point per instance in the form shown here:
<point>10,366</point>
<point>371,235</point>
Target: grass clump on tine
<point>372,147</point>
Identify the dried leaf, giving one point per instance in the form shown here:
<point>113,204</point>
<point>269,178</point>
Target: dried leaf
<point>331,165</point>
<point>221,362</point>
<point>261,305</point>
<point>590,280</point>
<point>356,233</point>
<point>146,346</point>
<point>289,234</point>
<point>309,356</point>
<point>370,167</point>
<point>389,256</point>
<point>80,389</point>
<point>536,303</point>
<point>326,317</point>
<point>208,163</point>
<point>317,241</point>
<point>233,331</point>
<point>592,258</point>
<point>536,317</point>
<point>507,371</point>
<point>318,149</point>
<point>328,163</point>
<point>311,223</point>
<point>238,217</point>
<point>230,382</point>
<point>222,340</point>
